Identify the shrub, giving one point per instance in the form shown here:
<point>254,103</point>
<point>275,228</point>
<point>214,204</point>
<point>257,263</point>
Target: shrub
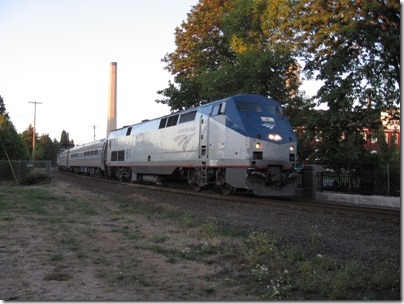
<point>33,178</point>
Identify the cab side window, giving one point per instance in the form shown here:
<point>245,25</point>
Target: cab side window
<point>218,109</point>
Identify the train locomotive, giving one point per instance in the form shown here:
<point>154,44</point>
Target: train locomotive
<point>240,143</point>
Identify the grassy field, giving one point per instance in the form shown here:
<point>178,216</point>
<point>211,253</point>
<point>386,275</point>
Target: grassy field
<point>60,243</point>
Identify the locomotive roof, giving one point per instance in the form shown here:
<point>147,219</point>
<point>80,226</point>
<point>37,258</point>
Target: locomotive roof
<point>240,97</point>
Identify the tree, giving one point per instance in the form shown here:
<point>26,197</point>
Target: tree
<point>201,45</point>
<point>228,47</point>
<point>11,143</point>
<point>211,61</point>
<point>50,148</point>
<point>27,137</point>
<point>354,48</point>
<point>3,108</point>
<point>65,142</point>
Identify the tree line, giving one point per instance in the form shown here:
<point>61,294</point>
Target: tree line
<point>16,146</point>
<point>227,47</point>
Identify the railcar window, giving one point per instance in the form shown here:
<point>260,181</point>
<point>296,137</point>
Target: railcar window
<point>114,155</point>
<point>163,123</point>
<point>215,110</point>
<point>172,120</point>
<point>128,131</point>
<point>187,117</point>
<point>249,107</point>
<point>121,155</point>
<point>218,109</point>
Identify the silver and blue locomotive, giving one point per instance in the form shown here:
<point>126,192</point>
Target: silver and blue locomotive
<point>240,143</point>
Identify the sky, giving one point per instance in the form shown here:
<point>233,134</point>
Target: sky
<point>58,53</point>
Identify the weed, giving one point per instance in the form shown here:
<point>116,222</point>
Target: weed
<point>57,258</point>
<point>8,218</point>
<point>314,234</point>
<point>159,239</point>
<point>206,230</point>
<point>71,244</point>
<point>188,220</point>
<point>88,210</point>
<point>209,289</point>
<point>57,276</point>
<point>259,247</point>
<point>130,233</point>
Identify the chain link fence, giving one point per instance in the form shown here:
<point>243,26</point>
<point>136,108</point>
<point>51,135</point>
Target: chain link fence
<point>19,169</point>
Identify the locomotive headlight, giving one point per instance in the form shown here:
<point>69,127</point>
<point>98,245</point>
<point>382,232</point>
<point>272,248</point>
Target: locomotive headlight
<point>275,137</point>
<point>258,146</point>
<point>292,148</point>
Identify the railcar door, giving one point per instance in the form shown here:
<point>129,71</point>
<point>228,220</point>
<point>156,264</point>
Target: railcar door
<point>204,137</point>
<point>67,159</point>
<point>104,155</point>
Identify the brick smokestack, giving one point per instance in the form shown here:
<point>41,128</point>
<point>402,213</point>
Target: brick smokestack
<point>111,115</point>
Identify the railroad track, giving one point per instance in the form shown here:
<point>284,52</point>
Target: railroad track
<point>295,203</point>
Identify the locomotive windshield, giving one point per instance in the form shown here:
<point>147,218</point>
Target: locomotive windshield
<point>260,108</point>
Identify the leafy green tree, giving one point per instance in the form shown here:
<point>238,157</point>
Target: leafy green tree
<point>353,48</point>
<point>49,148</point>
<point>183,94</point>
<point>387,154</point>
<point>239,46</point>
<point>65,142</point>
<point>27,137</point>
<point>201,45</point>
<point>258,72</point>
<point>11,144</point>
<point>3,108</point>
<point>211,61</point>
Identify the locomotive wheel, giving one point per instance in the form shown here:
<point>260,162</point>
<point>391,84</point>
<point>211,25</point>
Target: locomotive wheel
<point>195,182</point>
<point>196,187</point>
<point>225,188</point>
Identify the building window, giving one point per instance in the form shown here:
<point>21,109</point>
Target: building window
<point>373,139</point>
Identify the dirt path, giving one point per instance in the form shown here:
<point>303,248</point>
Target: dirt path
<point>98,251</point>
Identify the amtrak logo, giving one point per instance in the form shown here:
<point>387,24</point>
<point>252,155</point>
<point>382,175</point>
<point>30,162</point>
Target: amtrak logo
<point>269,125</point>
<point>183,140</point>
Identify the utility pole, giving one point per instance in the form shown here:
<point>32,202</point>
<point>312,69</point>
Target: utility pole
<point>33,133</point>
<point>94,131</point>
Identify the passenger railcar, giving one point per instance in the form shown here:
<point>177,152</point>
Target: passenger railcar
<point>85,159</point>
<point>244,142</point>
<point>62,159</point>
